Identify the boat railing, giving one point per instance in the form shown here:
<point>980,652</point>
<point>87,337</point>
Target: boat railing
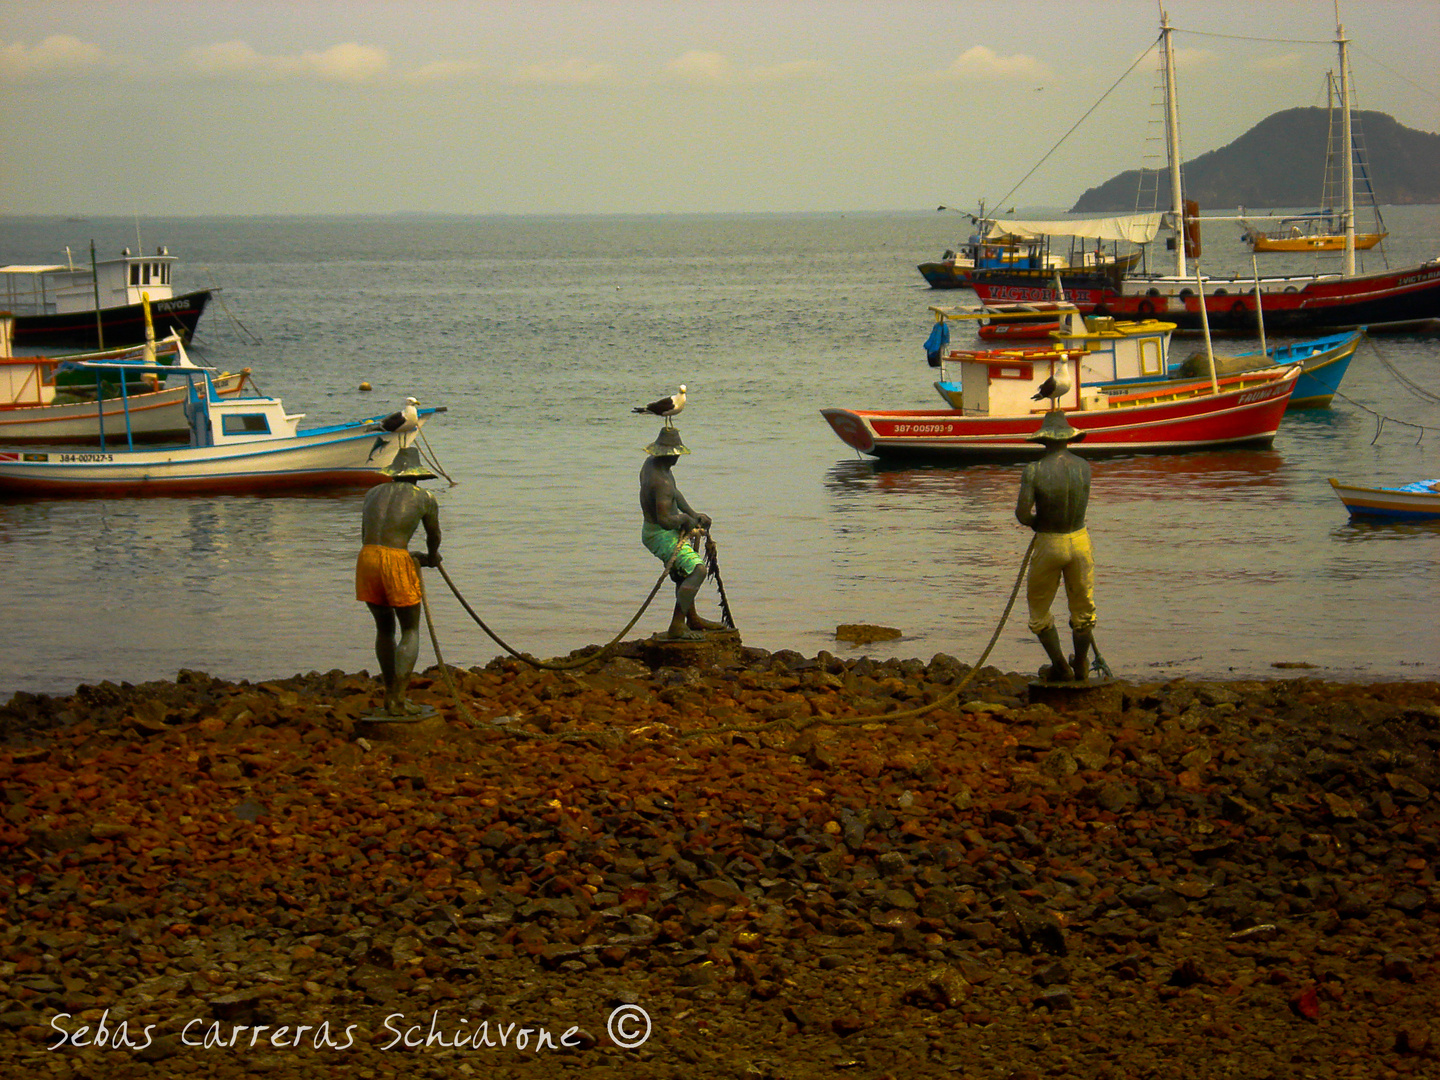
<point>200,394</point>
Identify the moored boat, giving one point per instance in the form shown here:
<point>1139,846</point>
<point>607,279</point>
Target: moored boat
<point>1001,395</point>
<point>1116,354</point>
<point>98,306</point>
<point>36,407</point>
<point>236,445</point>
<point>1417,500</point>
<point>1292,304</point>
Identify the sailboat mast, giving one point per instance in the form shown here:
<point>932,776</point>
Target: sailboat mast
<point>1349,172</point>
<point>1172,145</point>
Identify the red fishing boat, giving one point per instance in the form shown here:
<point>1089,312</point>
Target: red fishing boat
<point>1006,399</point>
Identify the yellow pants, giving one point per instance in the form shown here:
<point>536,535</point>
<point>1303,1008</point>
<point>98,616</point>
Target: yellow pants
<point>1059,555</point>
<point>386,576</point>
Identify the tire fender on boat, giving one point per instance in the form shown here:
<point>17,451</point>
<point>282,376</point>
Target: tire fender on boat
<point>1145,307</point>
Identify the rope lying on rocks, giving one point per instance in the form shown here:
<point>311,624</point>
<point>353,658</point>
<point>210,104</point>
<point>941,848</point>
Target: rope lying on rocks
<point>568,665</point>
<point>604,735</point>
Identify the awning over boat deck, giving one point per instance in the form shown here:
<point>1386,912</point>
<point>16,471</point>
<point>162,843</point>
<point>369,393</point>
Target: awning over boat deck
<point>21,268</point>
<point>1132,228</point>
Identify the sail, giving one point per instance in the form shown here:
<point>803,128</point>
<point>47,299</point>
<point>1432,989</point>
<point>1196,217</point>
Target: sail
<point>1132,228</point>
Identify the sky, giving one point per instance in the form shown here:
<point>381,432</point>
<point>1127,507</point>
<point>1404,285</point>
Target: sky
<point>218,107</point>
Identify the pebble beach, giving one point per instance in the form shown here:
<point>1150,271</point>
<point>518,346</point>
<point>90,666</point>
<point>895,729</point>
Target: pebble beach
<point>734,865</point>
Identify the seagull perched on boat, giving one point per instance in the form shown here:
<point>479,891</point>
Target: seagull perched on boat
<point>666,406</point>
<point>1056,386</point>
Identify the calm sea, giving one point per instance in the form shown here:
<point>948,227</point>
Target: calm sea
<point>540,334</point>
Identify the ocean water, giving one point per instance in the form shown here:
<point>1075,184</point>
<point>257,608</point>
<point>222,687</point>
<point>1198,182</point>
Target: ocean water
<point>540,334</point>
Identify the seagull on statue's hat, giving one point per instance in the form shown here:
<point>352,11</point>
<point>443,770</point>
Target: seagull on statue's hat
<point>1056,386</point>
<point>666,406</point>
<point>405,421</point>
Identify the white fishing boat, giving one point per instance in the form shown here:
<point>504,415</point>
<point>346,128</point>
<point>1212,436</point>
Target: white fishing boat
<point>235,445</point>
<point>36,409</point>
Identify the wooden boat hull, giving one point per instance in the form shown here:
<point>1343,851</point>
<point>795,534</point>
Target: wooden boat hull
<point>123,325</point>
<point>949,275</point>
<point>1159,418</point>
<point>1302,304</point>
<point>349,455</point>
<point>157,416</point>
<point>1363,242</point>
<point>1391,502</point>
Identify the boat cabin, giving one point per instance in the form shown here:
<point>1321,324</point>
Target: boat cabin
<point>24,380</point>
<point>66,289</point>
<point>1005,382</point>
<point>1117,351</point>
<point>214,420</point>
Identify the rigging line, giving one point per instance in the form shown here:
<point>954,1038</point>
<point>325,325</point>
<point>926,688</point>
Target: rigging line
<point>1399,75</point>
<point>1247,37</point>
<point>1116,83</point>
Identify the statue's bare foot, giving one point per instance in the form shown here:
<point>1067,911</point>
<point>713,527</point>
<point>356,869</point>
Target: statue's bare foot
<point>695,622</point>
<point>683,634</point>
<point>403,707</point>
<point>1077,671</point>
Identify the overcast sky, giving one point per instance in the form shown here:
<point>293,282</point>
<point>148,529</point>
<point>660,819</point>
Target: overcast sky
<point>640,106</point>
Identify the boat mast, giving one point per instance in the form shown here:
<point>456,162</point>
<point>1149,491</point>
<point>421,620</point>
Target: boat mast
<point>1343,43</point>
<point>1172,145</point>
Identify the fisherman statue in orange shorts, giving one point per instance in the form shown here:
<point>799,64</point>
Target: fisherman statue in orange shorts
<point>386,577</point>
<point>668,520</point>
<point>1054,494</point>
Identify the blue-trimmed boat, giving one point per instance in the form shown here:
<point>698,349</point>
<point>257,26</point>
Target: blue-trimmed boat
<point>236,445</point>
<point>1419,500</point>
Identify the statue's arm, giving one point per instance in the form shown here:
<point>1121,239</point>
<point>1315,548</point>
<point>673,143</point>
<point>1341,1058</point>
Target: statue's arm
<point>1025,504</point>
<point>431,521</point>
<point>694,517</point>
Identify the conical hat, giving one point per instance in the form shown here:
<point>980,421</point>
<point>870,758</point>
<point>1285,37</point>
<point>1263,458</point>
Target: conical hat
<point>667,444</point>
<point>1055,428</point>
<point>407,466</point>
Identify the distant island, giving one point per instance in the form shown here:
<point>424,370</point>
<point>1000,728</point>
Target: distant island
<point>1281,162</point>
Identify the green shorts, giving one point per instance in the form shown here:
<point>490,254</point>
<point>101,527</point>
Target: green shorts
<point>661,543</point>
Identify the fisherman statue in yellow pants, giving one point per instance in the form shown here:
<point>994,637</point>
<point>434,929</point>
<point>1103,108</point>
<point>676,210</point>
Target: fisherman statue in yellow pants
<point>386,578</point>
<point>1054,493</point>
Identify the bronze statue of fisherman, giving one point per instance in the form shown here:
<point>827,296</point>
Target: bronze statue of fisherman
<point>668,521</point>
<point>1054,493</point>
<point>386,577</point>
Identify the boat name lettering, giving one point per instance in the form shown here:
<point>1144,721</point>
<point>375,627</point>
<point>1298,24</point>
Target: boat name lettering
<point>1254,395</point>
<point>87,457</point>
<point>1411,279</point>
<point>171,305</point>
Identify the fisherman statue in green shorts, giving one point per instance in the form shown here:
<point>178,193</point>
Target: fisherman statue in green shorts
<point>1054,494</point>
<point>668,521</point>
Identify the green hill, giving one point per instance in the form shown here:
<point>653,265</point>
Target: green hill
<point>1281,162</point>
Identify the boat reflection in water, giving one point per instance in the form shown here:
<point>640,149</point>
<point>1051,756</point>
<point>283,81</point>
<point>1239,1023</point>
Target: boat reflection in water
<point>1119,479</point>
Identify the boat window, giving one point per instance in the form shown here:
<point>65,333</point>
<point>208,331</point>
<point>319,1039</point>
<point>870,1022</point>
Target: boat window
<point>134,273</point>
<point>1150,362</point>
<point>245,424</point>
<point>145,274</point>
<point>165,274</point>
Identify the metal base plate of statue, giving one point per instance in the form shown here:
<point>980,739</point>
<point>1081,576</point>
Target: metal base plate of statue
<point>711,648</point>
<point>382,726</point>
<point>1100,694</point>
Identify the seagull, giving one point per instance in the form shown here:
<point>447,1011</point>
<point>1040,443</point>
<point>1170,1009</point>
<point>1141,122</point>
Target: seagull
<point>402,423</point>
<point>1056,386</point>
<point>666,406</point>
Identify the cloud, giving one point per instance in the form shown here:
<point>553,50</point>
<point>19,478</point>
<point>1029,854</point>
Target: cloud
<point>444,71</point>
<point>789,71</point>
<point>1287,62</point>
<point>347,63</point>
<point>57,57</point>
<point>701,68</point>
<point>571,72</point>
<point>983,64</point>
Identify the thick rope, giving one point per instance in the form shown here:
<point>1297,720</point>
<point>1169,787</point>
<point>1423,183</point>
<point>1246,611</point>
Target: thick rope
<point>585,661</point>
<point>601,735</point>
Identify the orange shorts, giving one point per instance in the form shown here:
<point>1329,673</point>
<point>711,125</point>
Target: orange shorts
<point>386,576</point>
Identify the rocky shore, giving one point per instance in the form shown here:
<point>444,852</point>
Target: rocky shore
<point>721,870</point>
